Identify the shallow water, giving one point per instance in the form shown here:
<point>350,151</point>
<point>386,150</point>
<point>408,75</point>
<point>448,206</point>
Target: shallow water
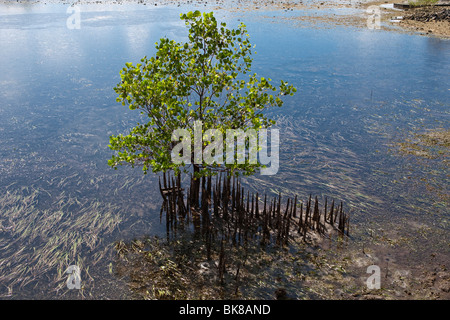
<point>359,90</point>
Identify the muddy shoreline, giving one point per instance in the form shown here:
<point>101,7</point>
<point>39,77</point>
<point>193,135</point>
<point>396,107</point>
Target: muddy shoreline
<point>304,13</point>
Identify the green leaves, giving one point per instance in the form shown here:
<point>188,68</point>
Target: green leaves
<point>202,79</point>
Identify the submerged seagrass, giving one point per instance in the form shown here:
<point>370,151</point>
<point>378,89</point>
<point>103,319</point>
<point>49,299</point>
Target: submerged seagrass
<point>38,245</point>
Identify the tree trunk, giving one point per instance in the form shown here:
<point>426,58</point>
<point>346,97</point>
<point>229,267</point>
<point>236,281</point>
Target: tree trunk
<point>195,192</point>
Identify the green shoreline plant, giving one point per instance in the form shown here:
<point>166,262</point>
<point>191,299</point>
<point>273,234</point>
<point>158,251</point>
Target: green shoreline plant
<point>201,80</point>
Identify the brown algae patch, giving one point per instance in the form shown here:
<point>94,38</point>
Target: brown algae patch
<point>429,151</point>
<point>432,144</point>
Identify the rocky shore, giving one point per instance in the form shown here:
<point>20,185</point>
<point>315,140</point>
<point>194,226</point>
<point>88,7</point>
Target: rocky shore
<point>429,14</point>
<point>430,20</point>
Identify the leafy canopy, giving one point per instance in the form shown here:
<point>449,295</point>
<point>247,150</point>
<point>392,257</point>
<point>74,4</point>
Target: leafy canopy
<point>205,79</point>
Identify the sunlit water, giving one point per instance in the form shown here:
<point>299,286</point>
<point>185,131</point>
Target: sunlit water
<point>358,91</point>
